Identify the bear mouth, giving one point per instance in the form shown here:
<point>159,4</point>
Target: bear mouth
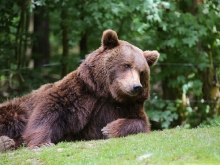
<point>131,93</point>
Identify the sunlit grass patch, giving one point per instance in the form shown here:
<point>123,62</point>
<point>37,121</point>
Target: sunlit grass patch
<point>174,146</point>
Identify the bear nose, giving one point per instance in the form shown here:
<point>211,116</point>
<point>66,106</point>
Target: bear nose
<point>137,87</point>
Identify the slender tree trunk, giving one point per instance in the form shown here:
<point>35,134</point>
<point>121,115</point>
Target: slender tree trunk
<point>210,87</point>
<point>28,47</point>
<point>64,27</point>
<point>19,35</point>
<point>83,46</point>
<point>41,46</point>
<point>20,41</point>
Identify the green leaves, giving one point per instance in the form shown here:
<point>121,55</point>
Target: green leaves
<point>190,41</point>
<point>186,36</point>
<point>171,42</point>
<point>35,3</point>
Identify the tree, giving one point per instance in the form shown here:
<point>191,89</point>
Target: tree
<point>185,86</point>
<point>188,45</point>
<point>41,46</point>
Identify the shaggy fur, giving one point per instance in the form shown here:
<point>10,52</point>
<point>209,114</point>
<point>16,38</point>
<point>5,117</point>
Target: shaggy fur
<point>102,99</point>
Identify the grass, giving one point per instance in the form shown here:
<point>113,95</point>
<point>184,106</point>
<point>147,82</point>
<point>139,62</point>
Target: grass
<point>174,146</point>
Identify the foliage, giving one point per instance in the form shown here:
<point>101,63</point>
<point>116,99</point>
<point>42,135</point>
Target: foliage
<point>189,42</point>
<point>186,35</point>
<point>175,146</point>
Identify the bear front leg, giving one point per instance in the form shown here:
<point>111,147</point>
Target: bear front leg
<point>124,127</point>
<point>36,137</point>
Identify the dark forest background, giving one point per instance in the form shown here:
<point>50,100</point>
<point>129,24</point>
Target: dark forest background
<point>43,40</point>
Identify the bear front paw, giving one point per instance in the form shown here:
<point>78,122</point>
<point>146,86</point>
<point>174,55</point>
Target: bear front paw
<point>6,144</point>
<point>106,131</point>
<point>112,130</point>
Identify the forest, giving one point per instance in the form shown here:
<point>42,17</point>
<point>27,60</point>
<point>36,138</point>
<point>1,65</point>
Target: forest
<point>43,40</point>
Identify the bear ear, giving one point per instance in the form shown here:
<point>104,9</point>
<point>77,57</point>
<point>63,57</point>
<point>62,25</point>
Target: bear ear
<point>109,39</point>
<point>151,57</point>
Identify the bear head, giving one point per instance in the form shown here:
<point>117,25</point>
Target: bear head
<point>118,70</point>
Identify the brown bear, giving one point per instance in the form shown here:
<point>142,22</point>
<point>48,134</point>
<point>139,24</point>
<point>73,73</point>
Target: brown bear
<point>103,98</point>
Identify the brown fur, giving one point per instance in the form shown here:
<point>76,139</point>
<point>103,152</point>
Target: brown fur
<point>103,98</point>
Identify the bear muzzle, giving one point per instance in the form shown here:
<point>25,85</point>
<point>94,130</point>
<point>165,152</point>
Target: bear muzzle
<point>136,89</point>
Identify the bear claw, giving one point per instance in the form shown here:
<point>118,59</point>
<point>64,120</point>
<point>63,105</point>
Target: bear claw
<point>106,131</point>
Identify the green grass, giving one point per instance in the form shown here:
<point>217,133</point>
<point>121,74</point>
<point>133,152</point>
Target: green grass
<point>174,146</point>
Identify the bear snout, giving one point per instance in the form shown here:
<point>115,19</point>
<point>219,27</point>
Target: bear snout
<point>137,88</point>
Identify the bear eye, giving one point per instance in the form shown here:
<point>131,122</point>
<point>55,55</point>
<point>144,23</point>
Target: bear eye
<point>127,66</point>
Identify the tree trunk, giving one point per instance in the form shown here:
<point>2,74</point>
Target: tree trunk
<point>19,35</point>
<point>30,29</point>
<point>64,27</point>
<point>210,88</point>
<point>41,46</point>
<point>83,46</point>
